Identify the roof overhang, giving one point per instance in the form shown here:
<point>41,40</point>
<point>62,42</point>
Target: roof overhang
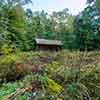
<point>48,42</point>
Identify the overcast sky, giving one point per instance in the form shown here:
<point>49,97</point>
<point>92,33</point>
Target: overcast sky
<point>74,6</point>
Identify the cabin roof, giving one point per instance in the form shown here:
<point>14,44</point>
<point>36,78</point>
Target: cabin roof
<point>48,42</point>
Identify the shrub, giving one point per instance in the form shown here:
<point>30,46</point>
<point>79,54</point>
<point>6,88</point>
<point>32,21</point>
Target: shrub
<point>78,78</point>
<point>11,68</point>
<point>7,49</point>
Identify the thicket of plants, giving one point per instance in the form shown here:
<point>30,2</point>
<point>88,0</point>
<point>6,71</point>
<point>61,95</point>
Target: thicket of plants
<point>48,76</point>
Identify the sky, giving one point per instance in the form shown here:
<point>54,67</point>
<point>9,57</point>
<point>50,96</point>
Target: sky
<point>74,6</point>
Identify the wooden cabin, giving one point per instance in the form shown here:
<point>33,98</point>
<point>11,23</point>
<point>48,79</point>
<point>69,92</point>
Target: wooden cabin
<point>48,45</point>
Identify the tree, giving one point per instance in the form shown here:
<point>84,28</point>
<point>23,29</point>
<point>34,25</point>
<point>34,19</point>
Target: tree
<point>87,29</point>
<point>12,21</point>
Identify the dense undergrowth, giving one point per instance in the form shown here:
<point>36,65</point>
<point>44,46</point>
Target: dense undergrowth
<point>51,76</point>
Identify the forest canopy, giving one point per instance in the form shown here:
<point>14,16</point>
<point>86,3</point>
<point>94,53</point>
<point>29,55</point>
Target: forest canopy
<point>19,27</point>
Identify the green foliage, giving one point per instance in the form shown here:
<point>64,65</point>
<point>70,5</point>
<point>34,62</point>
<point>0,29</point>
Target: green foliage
<point>76,77</point>
<point>20,27</point>
<point>52,87</point>
<point>12,24</point>
<point>87,29</point>
<point>6,49</point>
<point>9,88</point>
<point>12,67</point>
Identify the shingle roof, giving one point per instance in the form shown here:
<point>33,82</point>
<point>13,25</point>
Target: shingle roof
<point>48,42</point>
